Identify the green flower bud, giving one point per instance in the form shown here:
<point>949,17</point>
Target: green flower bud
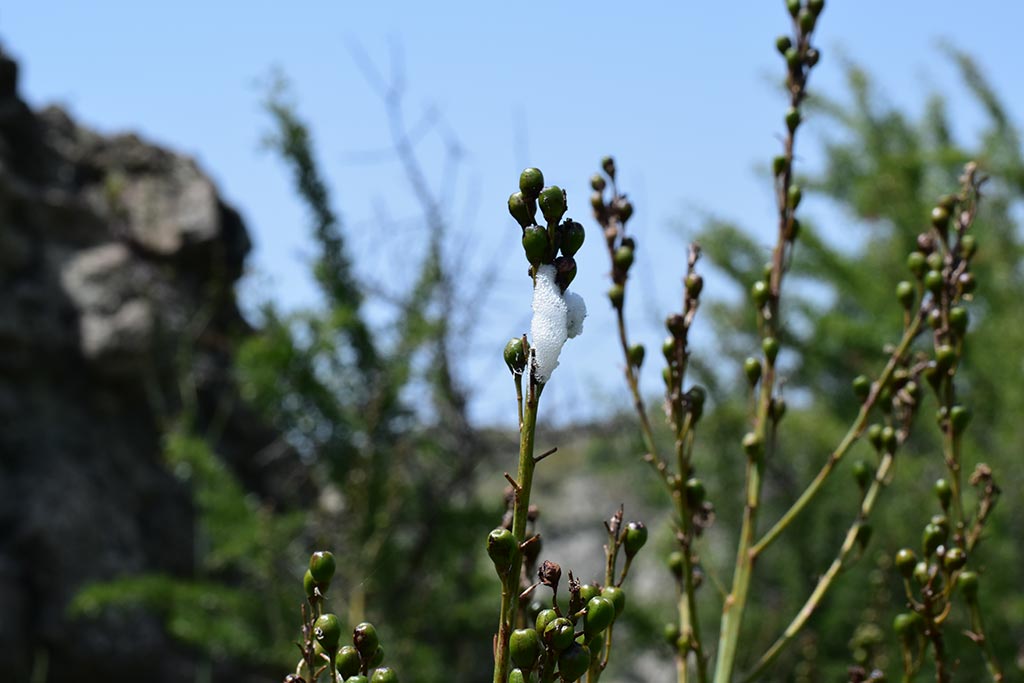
<point>671,634</point>
<point>770,346</point>
<point>759,293</point>
<point>862,474</point>
<point>597,182</point>
<point>934,260</point>
<point>625,210</point>
<point>945,356</point>
<point>792,119</point>
<point>676,563</point>
<point>608,166</point>
<point>905,562</point>
<point>636,355</point>
<point>794,196</point>
<point>861,387</point>
<point>812,56</point>
<point>552,203</point>
<point>916,263</point>
<point>535,244</point>
<point>327,631</point>
<point>545,617</point>
<point>617,597</point>
<point>378,658</point>
<point>589,590</point>
<point>695,492</point>
<point>905,294</point>
<point>806,20</point>
<point>597,203</point>
<point>966,282</point>
<point>783,43</point>
<point>573,235</point>
<point>559,634</point>
<point>321,566</point>
<point>666,375</point>
<point>676,324</point>
<point>944,492</point>
<point>502,548</point>
<point>794,7</point>
<point>531,182</point>
<point>959,417</point>
<point>384,675</point>
<point>634,538</point>
<point>752,369</point>
<point>623,258</point>
<point>933,281</point>
<point>694,284</point>
<point>935,318</point>
<point>940,218</point>
<point>931,539</point>
<point>968,245</point>
<point>942,522</point>
<point>573,662</point>
<point>792,56</point>
<point>309,585</point>
<point>875,435</point>
<point>348,662</point>
<point>520,209</point>
<point>364,637</point>
<point>616,294</point>
<point>889,439</point>
<point>668,348</point>
<point>752,445</point>
<point>600,614</point>
<point>906,624</point>
<point>525,647</point>
<point>955,558</point>
<point>921,573</point>
<point>958,319</point>
<point>779,163</point>
<point>815,6</point>
<point>515,355</point>
<point>967,582</point>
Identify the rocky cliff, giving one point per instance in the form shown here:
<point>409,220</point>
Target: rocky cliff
<point>117,261</point>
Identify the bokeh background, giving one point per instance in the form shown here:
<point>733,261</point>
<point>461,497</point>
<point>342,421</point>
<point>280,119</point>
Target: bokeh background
<point>209,369</point>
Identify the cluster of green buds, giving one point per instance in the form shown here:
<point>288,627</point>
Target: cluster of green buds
<point>555,241</point>
<point>322,651</point>
<point>683,405</point>
<point>569,639</point>
<point>612,212</point>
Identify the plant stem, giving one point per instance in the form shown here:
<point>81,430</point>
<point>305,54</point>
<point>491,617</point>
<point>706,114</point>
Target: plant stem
<point>826,580</point>
<point>981,639</point>
<point>521,504</point>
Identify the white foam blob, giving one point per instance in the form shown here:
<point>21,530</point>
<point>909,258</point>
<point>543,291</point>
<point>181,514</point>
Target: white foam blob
<point>556,317</point>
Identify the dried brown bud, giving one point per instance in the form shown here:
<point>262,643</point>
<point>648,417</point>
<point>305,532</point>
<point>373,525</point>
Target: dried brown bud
<point>550,573</point>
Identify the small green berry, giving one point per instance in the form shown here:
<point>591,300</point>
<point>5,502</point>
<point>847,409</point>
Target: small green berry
<point>794,196</point>
<point>565,271</point>
<point>623,258</point>
<point>573,662</point>
<point>384,674</point>
<point>944,492</point>
<point>792,56</point>
<point>966,282</point>
<point>806,20</point>
<point>967,582</point>
<point>520,210</point>
<point>905,562</point>
<point>589,590</point>
<point>600,614</point>
<point>862,473</point>
<point>357,679</point>
<point>364,637</point>
<point>752,369</point>
<point>792,119</point>
<point>752,445</point>
<point>889,439</point>
<point>676,563</point>
<point>327,631</point>
<point>608,166</point>
<point>515,355</point>
<point>545,617</point>
<point>875,435</point>
<point>309,585</point>
<point>694,284</point>
<point>347,661</point>
<point>779,163</point>
<point>861,387</point>
<point>793,6</point>
<point>933,281</point>
<point>816,6</point>
<point>905,294</point>
<point>573,235</point>
<point>535,244</point>
<point>916,263</point>
<point>634,538</point>
<point>636,355</point>
<point>906,624</point>
<point>955,558</point>
<point>525,647</point>
<point>559,633</point>
<point>940,218</point>
<point>958,319</point>
<point>616,295</point>
<point>617,597</point>
<point>921,573</point>
<point>770,346</point>
<point>931,538</point>
<point>695,492</point>
<point>552,203</point>
<point>783,43</point>
<point>625,210</point>
<point>321,566</point>
<point>759,293</point>
<point>671,633</point>
<point>945,356</point>
<point>597,182</point>
<point>968,245</point>
<point>502,548</point>
<point>959,418</point>
<point>531,182</point>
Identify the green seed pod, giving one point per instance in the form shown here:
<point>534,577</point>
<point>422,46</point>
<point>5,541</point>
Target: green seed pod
<point>752,445</point>
<point>573,662</point>
<point>676,563</point>
<point>861,387</point>
<point>905,294</point>
<point>625,210</point>
<point>559,634</point>
<point>623,258</point>
<point>783,43</point>
<point>364,637</point>
<point>940,219</point>
<point>600,614</point>
<point>668,348</point>
<point>695,492</point>
<point>597,182</point>
<point>671,633</point>
<point>377,659</point>
<point>792,119</point>
<point>520,209</point>
<point>770,346</point>
<point>616,295</point>
<point>695,398</point>
<point>357,679</point>
<point>759,293</point>
<point>916,263</point>
<point>384,675</point>
<point>525,647</point>
<point>905,562</point>
<point>515,355</point>
<point>565,271</point>
<point>617,597</point>
<point>327,631</point>
<point>348,662</point>
<point>862,474</point>
<point>309,585</point>
<point>321,566</point>
<point>794,196</point>
<point>752,369</point>
<point>636,355</point>
<point>935,318</point>
<point>967,582</point>
<point>793,6</point>
<point>931,538</point>
<point>634,538</point>
<point>944,492</point>
<point>792,56</point>
<point>921,573</point>
<point>955,558</point>
<point>535,244</point>
<point>945,356</point>
<point>779,165</point>
<point>933,281</point>
<point>889,439</point>
<point>942,522</point>
<point>545,617</point>
<point>502,548</point>
<point>806,20</point>
<point>666,375</point>
<point>552,204</point>
<point>531,182</point>
<point>694,285</point>
<point>816,6</point>
<point>573,235</point>
<point>968,245</point>
<point>958,319</point>
<point>906,624</point>
<point>875,435</point>
<point>589,590</point>
<point>608,166</point>
<point>959,418</point>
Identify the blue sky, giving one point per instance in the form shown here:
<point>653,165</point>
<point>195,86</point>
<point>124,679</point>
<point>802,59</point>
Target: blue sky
<point>680,92</point>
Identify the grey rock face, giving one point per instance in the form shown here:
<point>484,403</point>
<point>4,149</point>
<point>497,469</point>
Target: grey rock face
<point>114,255</point>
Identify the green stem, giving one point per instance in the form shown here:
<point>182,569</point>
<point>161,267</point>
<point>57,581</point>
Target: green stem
<point>981,639</point>
<point>826,580</point>
<point>521,504</point>
<point>854,433</point>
